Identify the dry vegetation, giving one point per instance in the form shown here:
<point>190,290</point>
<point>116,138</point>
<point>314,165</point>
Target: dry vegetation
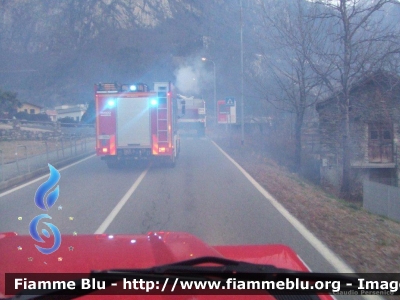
<point>368,243</point>
<point>11,150</point>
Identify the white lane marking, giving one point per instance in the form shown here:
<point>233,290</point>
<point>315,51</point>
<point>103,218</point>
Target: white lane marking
<point>328,254</point>
<point>121,204</point>
<point>42,177</point>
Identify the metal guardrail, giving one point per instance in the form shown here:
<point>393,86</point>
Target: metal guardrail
<point>26,163</point>
<point>50,123</point>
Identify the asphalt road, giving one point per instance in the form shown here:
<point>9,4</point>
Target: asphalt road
<point>205,195</point>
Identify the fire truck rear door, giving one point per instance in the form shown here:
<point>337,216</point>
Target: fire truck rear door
<point>133,122</point>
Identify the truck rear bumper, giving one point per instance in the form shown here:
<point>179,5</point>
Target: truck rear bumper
<point>129,154</point>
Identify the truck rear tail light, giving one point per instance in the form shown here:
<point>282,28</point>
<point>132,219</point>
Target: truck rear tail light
<point>112,145</point>
<point>161,150</point>
<point>154,149</point>
<point>105,150</point>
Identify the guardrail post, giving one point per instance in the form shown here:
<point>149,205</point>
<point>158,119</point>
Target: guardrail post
<point>57,151</point>
<point>62,147</point>
<point>47,150</point>
<point>26,154</point>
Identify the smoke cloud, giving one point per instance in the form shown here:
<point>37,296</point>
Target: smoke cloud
<point>192,78</point>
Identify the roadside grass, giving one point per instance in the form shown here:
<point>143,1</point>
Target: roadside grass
<point>368,243</point>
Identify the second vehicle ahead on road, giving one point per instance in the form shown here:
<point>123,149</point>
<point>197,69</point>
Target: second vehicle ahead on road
<point>192,115</point>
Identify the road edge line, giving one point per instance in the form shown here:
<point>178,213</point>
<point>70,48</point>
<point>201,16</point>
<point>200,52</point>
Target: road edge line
<point>321,247</point>
<point>103,227</point>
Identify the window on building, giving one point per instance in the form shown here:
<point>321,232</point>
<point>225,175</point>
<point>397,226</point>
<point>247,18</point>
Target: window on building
<point>380,143</point>
<point>387,135</point>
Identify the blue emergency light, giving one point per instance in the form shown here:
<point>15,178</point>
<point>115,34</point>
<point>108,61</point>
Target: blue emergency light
<point>111,103</point>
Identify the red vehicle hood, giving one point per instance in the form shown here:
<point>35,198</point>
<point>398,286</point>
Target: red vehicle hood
<point>83,253</point>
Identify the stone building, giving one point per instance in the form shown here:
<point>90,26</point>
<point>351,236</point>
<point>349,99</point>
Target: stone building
<point>75,112</point>
<point>29,108</point>
<point>374,133</point>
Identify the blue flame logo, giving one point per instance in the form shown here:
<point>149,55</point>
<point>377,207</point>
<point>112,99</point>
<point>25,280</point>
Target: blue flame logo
<point>40,202</point>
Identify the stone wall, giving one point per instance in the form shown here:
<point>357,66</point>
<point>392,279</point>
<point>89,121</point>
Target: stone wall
<point>11,135</point>
<point>16,130</point>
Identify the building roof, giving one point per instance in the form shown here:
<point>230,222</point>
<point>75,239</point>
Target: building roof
<point>31,104</point>
<point>380,78</point>
<point>51,112</point>
<point>70,110</point>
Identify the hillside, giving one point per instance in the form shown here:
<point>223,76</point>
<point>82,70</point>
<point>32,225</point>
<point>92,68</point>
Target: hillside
<point>53,51</point>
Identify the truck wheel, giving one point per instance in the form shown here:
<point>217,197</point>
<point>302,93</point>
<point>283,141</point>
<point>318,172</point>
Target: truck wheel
<point>178,148</point>
<point>202,132</point>
<point>171,161</point>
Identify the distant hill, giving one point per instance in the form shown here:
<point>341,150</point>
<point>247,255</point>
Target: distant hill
<point>52,52</point>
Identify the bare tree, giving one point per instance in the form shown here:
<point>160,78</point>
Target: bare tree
<point>9,103</point>
<point>286,40</point>
<point>357,42</point>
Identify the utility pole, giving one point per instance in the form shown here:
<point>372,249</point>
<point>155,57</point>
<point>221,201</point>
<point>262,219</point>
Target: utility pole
<point>215,89</point>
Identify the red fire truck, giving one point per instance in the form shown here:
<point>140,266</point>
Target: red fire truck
<point>134,123</point>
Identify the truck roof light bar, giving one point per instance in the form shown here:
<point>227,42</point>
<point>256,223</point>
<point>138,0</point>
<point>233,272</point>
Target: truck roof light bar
<point>115,87</point>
